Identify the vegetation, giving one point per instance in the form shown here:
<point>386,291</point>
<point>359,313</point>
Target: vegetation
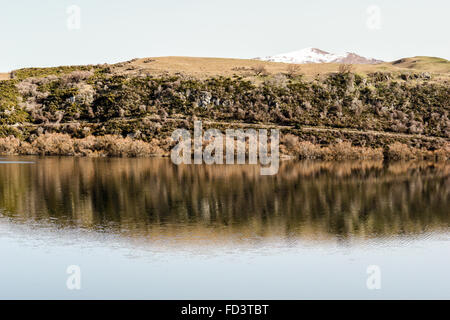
<point>336,115</point>
<point>25,73</point>
<point>63,144</point>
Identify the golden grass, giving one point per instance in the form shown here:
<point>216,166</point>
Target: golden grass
<point>207,67</point>
<point>430,64</point>
<point>202,67</point>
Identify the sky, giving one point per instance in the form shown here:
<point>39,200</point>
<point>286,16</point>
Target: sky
<point>52,33</point>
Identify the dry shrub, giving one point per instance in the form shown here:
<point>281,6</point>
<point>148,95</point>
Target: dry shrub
<point>308,150</point>
<point>54,144</point>
<point>293,70</point>
<point>86,146</point>
<point>443,153</point>
<point>289,141</point>
<point>339,151</point>
<point>115,146</point>
<point>345,151</point>
<point>260,70</point>
<point>57,144</point>
<point>399,151</point>
<point>9,146</point>
<point>345,68</point>
<point>76,76</point>
<point>302,149</point>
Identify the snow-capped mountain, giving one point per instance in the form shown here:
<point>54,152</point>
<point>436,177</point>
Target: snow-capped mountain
<point>314,55</point>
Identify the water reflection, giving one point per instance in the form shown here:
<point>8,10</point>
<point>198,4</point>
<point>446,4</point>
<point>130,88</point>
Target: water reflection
<point>152,198</point>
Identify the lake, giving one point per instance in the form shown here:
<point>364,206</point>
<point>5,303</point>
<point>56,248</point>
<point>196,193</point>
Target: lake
<point>147,229</point>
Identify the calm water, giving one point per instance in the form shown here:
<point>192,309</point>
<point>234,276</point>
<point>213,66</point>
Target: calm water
<point>144,228</point>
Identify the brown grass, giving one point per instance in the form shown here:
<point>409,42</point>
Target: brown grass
<point>212,67</point>
<point>208,67</point>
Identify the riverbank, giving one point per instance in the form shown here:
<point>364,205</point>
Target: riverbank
<point>130,109</point>
<point>290,146</point>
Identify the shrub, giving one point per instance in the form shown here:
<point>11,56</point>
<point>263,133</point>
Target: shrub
<point>116,146</point>
<point>399,151</point>
<point>57,144</point>
<point>260,70</point>
<point>293,70</point>
<point>345,68</point>
<point>54,144</point>
<point>9,146</point>
<point>345,151</point>
<point>308,150</point>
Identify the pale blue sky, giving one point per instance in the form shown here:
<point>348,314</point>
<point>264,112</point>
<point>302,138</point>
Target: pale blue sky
<point>34,33</point>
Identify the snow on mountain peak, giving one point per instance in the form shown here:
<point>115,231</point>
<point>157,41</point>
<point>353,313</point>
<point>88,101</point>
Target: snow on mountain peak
<point>314,55</point>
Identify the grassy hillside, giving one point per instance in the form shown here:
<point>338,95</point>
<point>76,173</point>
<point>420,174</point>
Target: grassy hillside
<point>368,110</point>
<point>213,67</point>
<point>430,64</point>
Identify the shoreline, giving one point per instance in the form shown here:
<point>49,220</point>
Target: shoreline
<point>291,148</point>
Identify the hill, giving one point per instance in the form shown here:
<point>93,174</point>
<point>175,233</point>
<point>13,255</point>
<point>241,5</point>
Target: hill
<point>394,109</point>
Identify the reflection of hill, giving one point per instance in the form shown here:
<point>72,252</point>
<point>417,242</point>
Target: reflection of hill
<point>152,197</point>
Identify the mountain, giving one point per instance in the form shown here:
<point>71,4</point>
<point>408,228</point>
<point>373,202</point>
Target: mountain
<point>314,55</point>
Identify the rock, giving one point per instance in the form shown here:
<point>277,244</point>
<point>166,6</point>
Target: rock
<point>205,99</point>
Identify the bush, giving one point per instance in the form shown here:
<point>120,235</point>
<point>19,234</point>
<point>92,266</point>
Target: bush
<point>260,70</point>
<point>54,144</point>
<point>9,146</point>
<point>338,151</point>
<point>399,151</point>
<point>345,68</point>
<point>293,70</point>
